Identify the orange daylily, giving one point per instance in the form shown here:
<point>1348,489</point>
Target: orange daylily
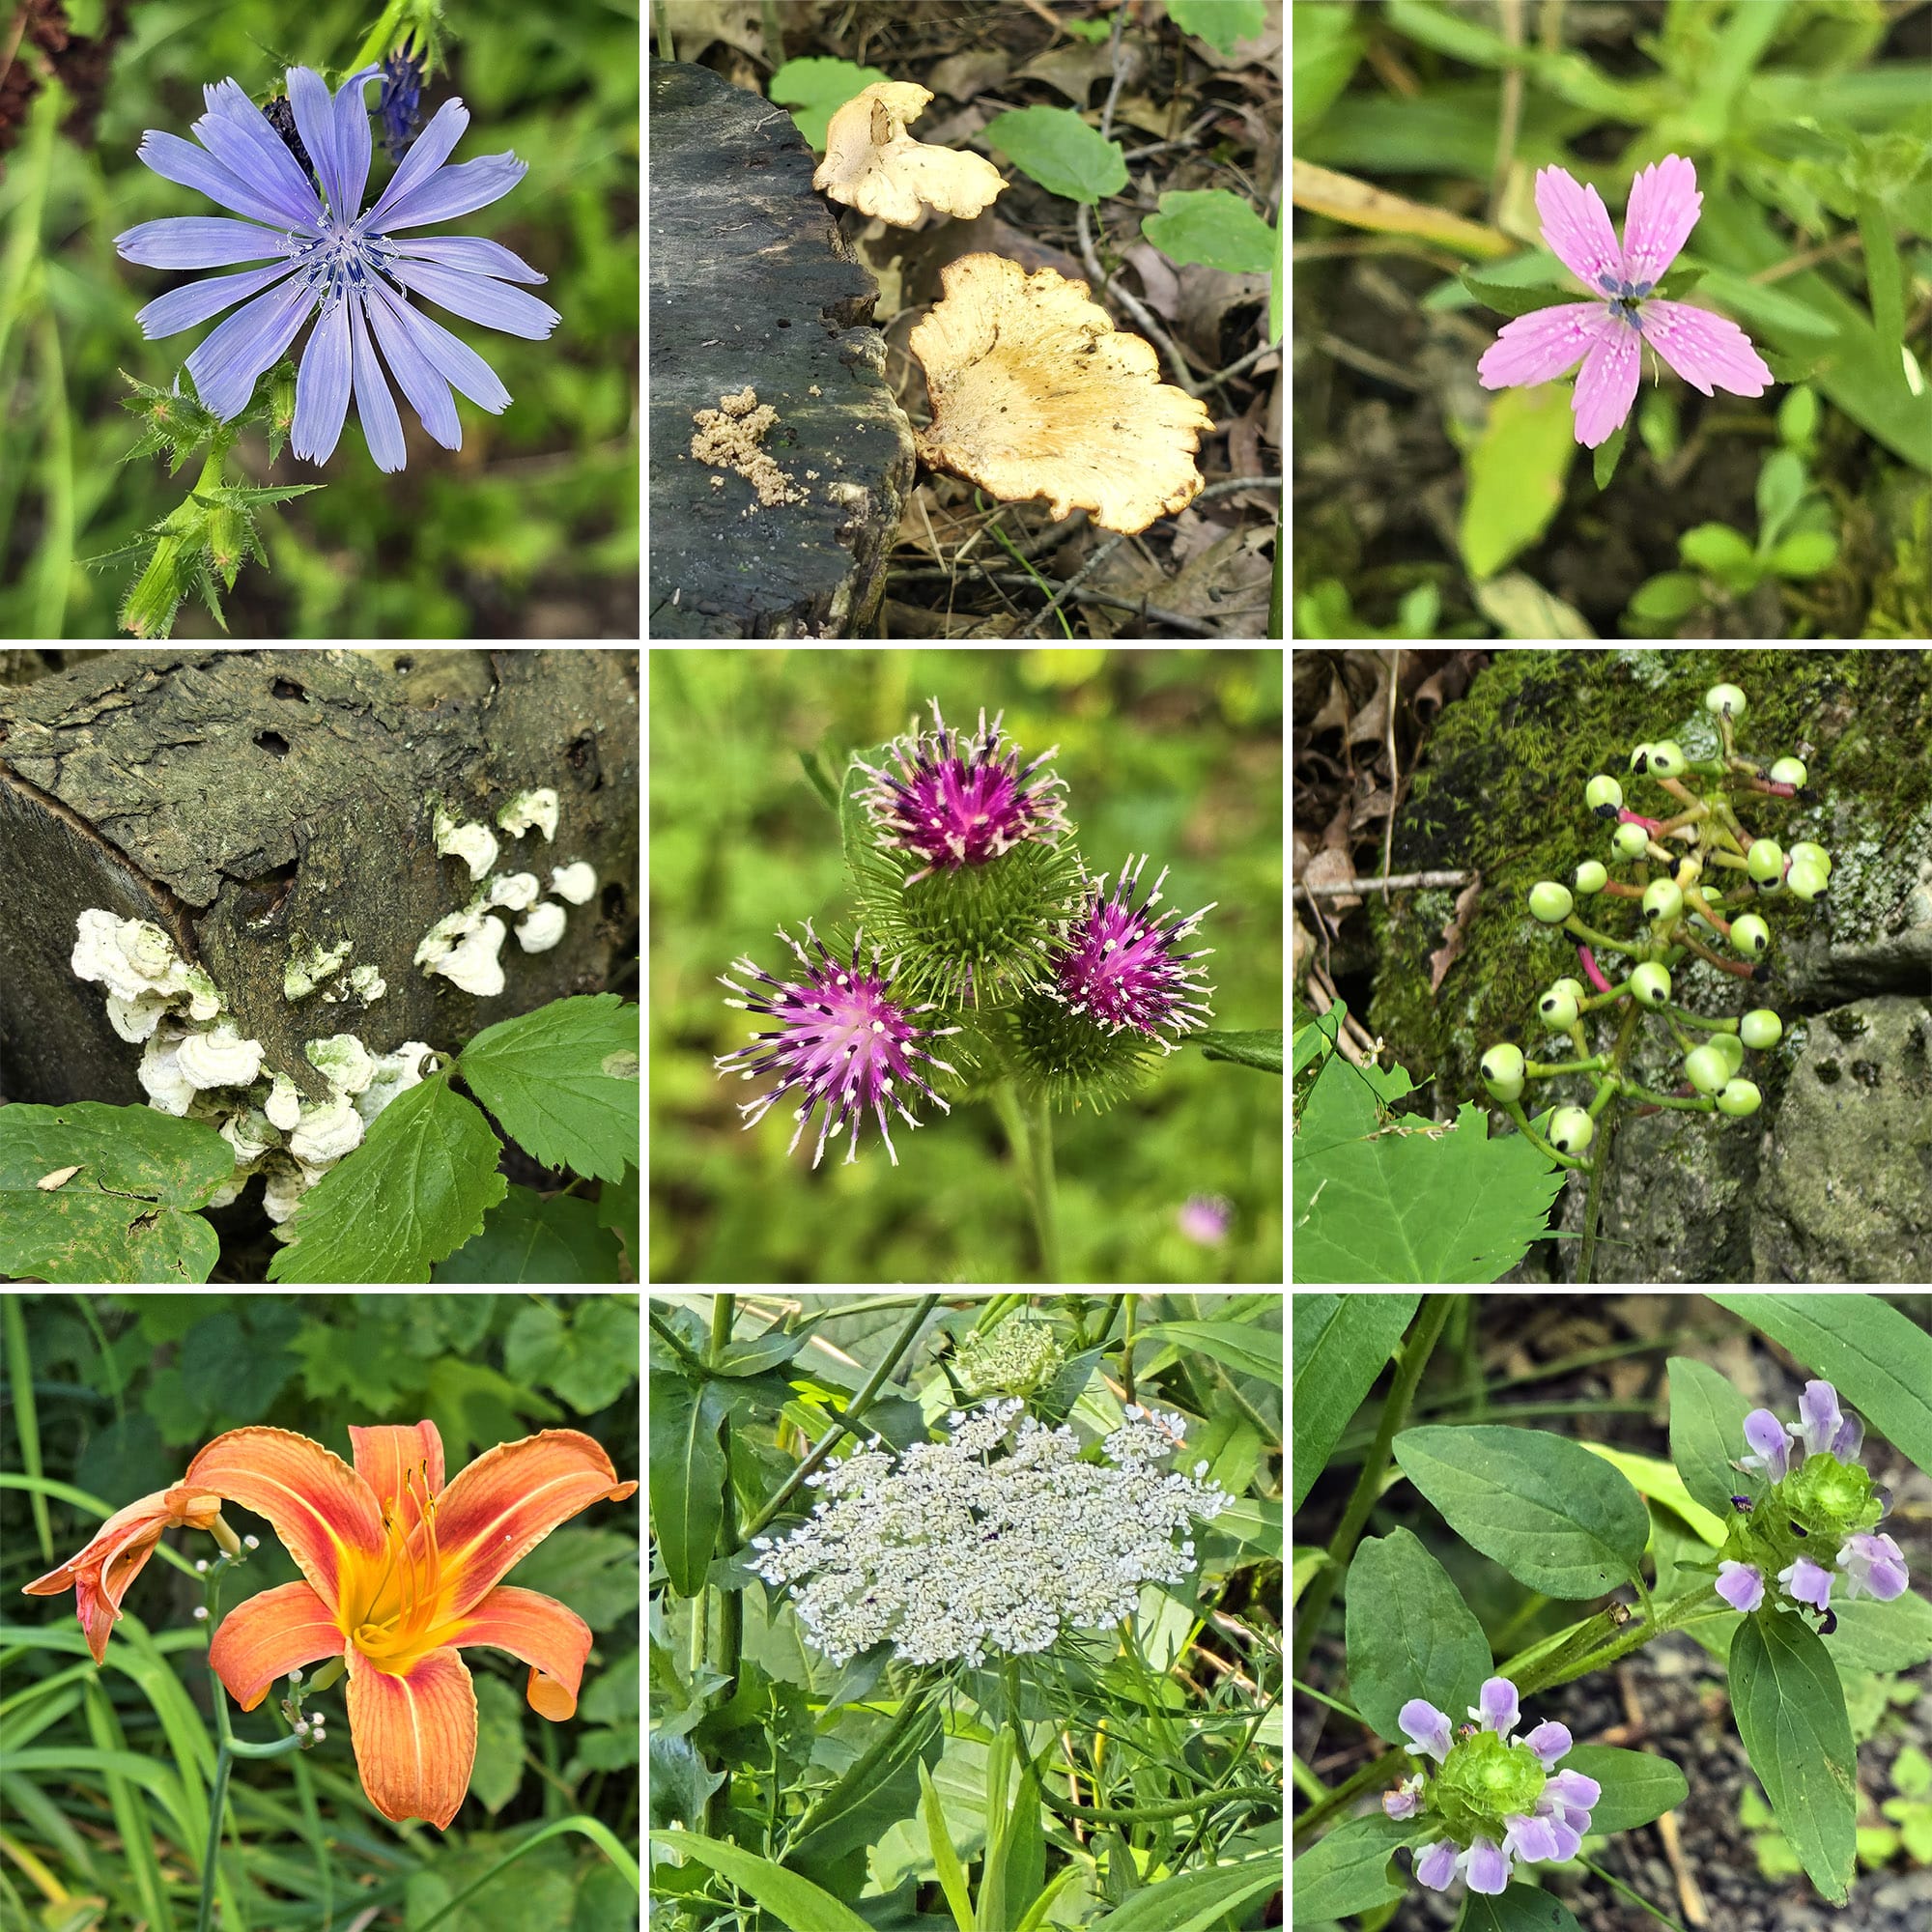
<point>99,1575</point>
<point>399,1572</point>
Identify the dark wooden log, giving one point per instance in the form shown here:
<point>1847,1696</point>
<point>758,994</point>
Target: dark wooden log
<point>256,804</point>
<point>753,286</point>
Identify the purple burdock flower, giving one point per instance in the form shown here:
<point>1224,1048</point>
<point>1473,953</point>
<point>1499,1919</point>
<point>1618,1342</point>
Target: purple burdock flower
<point>1120,966</point>
<point>1874,1566</point>
<point>334,259</point>
<point>961,800</point>
<point>1709,351</point>
<point>1741,1586</point>
<point>1204,1218</point>
<point>841,1039</point>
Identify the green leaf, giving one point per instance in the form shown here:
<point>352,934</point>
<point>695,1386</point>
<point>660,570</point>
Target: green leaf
<point>1874,1636</point>
<point>564,1082</point>
<point>1552,1514</point>
<point>1722,552</point>
<point>1349,1870</point>
<point>1260,1048</point>
<point>1607,455</point>
<point>687,1473</point>
<point>1410,1634</point>
<point>1215,228</point>
<point>617,1210</point>
<point>1222,23</point>
<point>535,1237</point>
<point>945,1860</point>
<point>1517,474</point>
<point>1637,1785</point>
<point>1057,149</point>
<point>795,1902</point>
<point>1805,553</point>
<point>1707,1432</point>
<point>414,1191</point>
<point>1520,607</point>
<point>230,1371</point>
<point>499,1742</point>
<point>1328,44</point>
<point>1520,1908</point>
<point>603,1360</point>
<point>1781,488</point>
<point>1197,1900</point>
<point>1515,299</point>
<point>1660,1482</point>
<point>593,1571</point>
<point>1667,598</point>
<point>127,1214</point>
<point>680,1781</point>
<point>1342,1343</point>
<point>1252,1350</point>
<point>770,1350</point>
<point>1790,1710</point>
<point>816,89</point>
<point>1878,1360</point>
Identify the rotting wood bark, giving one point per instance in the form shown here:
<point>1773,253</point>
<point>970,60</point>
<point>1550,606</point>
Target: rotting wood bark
<point>257,804</point>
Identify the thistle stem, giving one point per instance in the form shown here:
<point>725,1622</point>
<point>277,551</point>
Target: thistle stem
<point>1029,1132</point>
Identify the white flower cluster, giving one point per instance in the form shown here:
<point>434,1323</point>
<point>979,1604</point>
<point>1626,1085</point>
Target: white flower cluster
<point>954,1553</point>
<point>1017,1356</point>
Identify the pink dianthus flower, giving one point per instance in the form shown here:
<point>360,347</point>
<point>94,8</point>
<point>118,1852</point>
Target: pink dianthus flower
<point>1708,351</point>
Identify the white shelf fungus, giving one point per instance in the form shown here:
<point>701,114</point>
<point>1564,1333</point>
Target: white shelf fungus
<point>872,164</point>
<point>575,882</point>
<point>283,1105</point>
<point>393,1073</point>
<point>219,1058</point>
<point>327,1133</point>
<point>528,808</point>
<point>343,1061</point>
<point>135,1020</point>
<point>474,845</point>
<point>540,928</point>
<point>1036,393</point>
<point>300,976</point>
<point>161,1076</point>
<point>131,958</point>
<point>463,948</point>
<point>282,1190</point>
<point>517,891</point>
<point>250,1133</point>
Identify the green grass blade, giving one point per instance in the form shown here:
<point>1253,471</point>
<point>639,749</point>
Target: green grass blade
<point>20,1366</point>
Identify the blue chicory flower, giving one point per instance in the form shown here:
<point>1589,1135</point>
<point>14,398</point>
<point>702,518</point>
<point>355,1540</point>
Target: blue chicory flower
<point>336,260</point>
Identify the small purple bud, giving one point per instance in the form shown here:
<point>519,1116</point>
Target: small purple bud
<point>1742,1504</point>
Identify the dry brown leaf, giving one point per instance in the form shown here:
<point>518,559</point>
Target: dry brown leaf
<point>1454,934</point>
<point>1036,393</point>
<point>872,164</point>
<point>961,76</point>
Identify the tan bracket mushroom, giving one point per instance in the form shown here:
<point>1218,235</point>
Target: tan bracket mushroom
<point>872,164</point>
<point>1036,393</point>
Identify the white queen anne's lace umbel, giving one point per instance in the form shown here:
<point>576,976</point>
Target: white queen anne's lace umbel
<point>952,1552</point>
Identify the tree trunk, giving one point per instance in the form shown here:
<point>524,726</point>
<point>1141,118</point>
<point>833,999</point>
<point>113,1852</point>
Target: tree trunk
<point>257,805</point>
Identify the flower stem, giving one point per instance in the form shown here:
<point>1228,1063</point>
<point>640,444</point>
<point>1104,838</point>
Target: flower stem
<point>1415,1353</point>
<point>1044,1197</point>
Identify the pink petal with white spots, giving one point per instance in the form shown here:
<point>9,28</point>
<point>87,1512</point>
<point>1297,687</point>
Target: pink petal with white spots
<point>1577,225</point>
<point>1606,384</point>
<point>1708,351</point>
<point>1663,208</point>
<point>1538,347</point>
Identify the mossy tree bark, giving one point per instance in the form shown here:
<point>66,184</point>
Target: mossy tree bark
<point>255,805</point>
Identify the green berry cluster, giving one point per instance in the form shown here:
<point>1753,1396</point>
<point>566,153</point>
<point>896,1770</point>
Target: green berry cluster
<point>1698,876</point>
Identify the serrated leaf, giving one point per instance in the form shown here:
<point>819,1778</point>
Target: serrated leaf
<point>127,1212</point>
<point>533,1237</point>
<point>1054,147</point>
<point>1213,228</point>
<point>414,1191</point>
<point>564,1082</point>
<point>602,1360</point>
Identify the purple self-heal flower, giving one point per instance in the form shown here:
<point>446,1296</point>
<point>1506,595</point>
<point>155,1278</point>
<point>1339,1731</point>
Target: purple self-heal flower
<point>1708,351</point>
<point>1770,1440</point>
<point>1741,1586</point>
<point>1121,967</point>
<point>1495,1707</point>
<point>1874,1565</point>
<point>333,259</point>
<point>1426,1727</point>
<point>1807,1582</point>
<point>1824,1427</point>
<point>1487,1867</point>
<point>1549,1741</point>
<point>841,1039</point>
<point>1406,1800</point>
<point>1437,1867</point>
<point>960,799</point>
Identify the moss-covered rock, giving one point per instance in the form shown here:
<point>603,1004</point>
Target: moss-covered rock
<point>1501,792</point>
